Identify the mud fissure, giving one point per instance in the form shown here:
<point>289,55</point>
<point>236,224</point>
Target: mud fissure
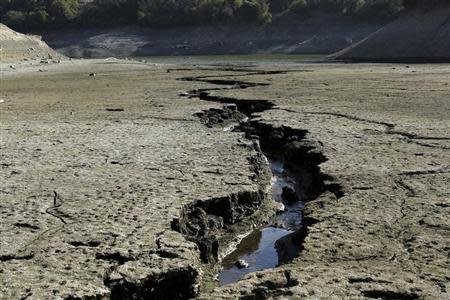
<point>299,154</point>
<point>9,257</point>
<point>382,294</point>
<point>173,284</point>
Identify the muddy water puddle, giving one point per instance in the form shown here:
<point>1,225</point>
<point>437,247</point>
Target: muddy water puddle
<point>258,250</point>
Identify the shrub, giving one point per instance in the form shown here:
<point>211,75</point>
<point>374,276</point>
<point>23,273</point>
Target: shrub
<point>213,11</point>
<point>255,11</point>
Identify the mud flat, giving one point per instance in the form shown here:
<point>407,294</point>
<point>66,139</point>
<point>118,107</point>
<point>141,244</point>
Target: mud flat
<point>113,187</point>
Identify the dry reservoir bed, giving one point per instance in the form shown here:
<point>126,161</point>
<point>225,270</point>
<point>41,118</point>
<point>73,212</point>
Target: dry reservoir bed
<point>137,181</point>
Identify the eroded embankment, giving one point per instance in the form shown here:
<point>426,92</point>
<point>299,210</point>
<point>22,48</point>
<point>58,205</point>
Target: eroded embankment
<point>160,273</point>
<point>301,155</point>
<point>203,221</point>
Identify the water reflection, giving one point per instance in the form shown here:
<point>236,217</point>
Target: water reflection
<point>257,249</point>
<point>270,246</point>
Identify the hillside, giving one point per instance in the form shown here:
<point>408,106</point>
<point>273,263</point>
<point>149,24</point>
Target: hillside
<point>420,35</point>
<point>320,34</point>
<point>16,47</point>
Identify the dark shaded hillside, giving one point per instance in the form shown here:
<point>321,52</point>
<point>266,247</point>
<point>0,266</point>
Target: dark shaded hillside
<point>420,35</point>
<point>320,34</point>
<point>415,30</point>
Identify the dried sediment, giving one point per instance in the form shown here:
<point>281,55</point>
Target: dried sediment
<point>378,227</point>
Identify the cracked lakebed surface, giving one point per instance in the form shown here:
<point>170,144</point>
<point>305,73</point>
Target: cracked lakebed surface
<point>90,193</point>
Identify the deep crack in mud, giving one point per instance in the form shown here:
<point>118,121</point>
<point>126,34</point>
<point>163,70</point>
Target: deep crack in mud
<point>270,245</point>
<point>294,160</point>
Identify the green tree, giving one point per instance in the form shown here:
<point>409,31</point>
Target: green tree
<point>63,11</point>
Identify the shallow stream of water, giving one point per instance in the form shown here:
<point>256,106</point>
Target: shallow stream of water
<point>258,249</point>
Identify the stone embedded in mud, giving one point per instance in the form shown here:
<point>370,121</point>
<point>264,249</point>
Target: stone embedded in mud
<point>280,207</point>
<point>289,195</point>
<point>230,107</point>
<point>242,264</point>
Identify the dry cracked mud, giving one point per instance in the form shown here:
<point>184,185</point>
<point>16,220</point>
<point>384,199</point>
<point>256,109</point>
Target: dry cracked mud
<point>113,187</point>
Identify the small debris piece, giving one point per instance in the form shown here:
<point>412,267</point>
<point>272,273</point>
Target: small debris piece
<point>242,264</point>
<point>280,207</point>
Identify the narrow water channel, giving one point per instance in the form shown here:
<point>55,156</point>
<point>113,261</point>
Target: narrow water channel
<point>258,251</point>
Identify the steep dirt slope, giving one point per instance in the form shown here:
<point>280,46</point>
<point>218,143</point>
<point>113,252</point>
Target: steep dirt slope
<point>419,35</point>
<point>16,47</point>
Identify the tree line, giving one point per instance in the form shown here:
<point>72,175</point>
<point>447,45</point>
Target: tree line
<point>359,8</point>
<point>29,15</point>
